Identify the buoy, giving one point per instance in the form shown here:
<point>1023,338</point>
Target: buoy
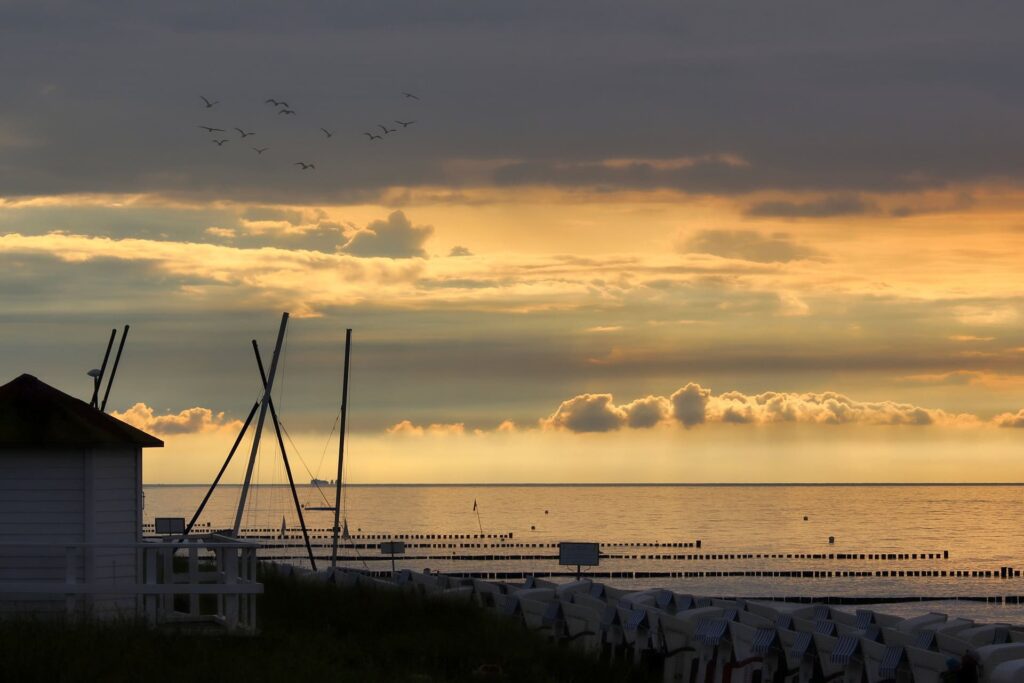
<point>805,518</point>
<point>831,539</point>
<point>545,512</point>
<point>533,528</point>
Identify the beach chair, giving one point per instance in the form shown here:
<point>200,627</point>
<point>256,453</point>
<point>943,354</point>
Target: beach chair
<point>842,618</point>
<point>802,624</point>
<point>927,665</point>
<point>931,620</point>
<point>582,626</point>
<point>824,645</point>
<point>457,594</point>
<point>542,616</point>
<point>963,640</point>
<point>485,593</point>
<point>954,625</point>
<point>886,620</point>
<point>748,651</point>
<point>1008,672</point>
<point>714,647</point>
<point>586,600</point>
<point>757,621</point>
<point>991,656</point>
<point>427,584</point>
<point>801,655</point>
<point>582,586</point>
<point>676,635</point>
<point>612,637</point>
<point>763,609</point>
<point>874,657</point>
<point>638,625</point>
<point>846,654</point>
<point>893,637</point>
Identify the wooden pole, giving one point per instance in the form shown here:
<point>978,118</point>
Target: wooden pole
<point>224,467</point>
<point>341,450</point>
<point>113,370</point>
<point>284,456</point>
<point>95,401</point>
<point>259,423</point>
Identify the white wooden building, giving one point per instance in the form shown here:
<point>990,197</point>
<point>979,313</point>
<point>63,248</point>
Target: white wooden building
<point>69,474</point>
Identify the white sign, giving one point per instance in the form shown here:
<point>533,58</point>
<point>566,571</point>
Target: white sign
<point>169,525</point>
<point>392,547</point>
<point>579,554</point>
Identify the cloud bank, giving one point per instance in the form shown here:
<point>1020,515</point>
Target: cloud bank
<point>196,420</point>
<point>694,405</point>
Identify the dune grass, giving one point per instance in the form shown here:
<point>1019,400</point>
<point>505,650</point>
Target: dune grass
<point>308,632</point>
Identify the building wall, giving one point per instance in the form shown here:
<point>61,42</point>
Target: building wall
<point>60,498</point>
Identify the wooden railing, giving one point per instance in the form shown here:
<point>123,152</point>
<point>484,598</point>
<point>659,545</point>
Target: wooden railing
<point>172,579</point>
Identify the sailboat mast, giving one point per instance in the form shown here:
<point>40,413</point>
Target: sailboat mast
<point>341,449</point>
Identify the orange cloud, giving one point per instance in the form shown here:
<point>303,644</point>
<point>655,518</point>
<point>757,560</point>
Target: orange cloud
<point>196,420</point>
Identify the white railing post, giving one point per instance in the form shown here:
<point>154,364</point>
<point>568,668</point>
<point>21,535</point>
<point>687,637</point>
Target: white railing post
<point>150,579</point>
<point>193,579</point>
<point>230,580</point>
<point>69,578</point>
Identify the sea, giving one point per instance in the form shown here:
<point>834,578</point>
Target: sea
<point>903,549</point>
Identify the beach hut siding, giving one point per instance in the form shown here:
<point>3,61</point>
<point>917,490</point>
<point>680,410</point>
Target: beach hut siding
<point>71,480</point>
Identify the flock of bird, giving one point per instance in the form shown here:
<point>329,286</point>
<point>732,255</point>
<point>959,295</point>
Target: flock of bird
<point>284,109</point>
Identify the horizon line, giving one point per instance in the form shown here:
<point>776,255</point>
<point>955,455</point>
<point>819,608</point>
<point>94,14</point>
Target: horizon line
<point>626,484</point>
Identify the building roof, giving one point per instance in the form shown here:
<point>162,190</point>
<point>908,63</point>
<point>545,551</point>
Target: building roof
<point>35,415</point>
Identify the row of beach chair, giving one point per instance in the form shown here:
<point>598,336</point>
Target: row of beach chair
<point>699,639</point>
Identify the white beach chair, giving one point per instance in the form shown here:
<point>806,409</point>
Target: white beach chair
<point>587,600</point>
<point>542,616</point>
<point>676,635</point>
<point>582,586</point>
<point>825,645</point>
<point>486,593</point>
<point>745,661</point>
<point>927,666</point>
<point>755,620</point>
<point>991,656</point>
<point>888,620</point>
<point>872,653</point>
<point>931,620</point>
<point>459,594</point>
<point>1008,672</point>
<point>582,626</point>
<point>638,628</point>
<point>797,661</point>
<point>763,609</point>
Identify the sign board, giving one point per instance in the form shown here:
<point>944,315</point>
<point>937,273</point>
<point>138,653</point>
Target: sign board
<point>169,525</point>
<point>392,547</point>
<point>579,554</point>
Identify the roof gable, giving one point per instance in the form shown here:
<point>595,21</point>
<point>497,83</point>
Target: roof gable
<point>35,415</point>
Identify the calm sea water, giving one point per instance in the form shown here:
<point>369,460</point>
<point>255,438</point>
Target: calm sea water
<point>979,526</point>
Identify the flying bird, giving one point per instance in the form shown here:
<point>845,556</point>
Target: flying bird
<point>211,130</point>
<point>386,129</point>
<point>286,111</point>
<point>260,150</point>
<point>404,124</point>
<point>243,133</point>
<point>209,104</point>
<point>304,165</point>
<point>220,143</point>
<point>271,100</point>
<point>373,137</point>
<point>410,95</point>
<point>327,132</point>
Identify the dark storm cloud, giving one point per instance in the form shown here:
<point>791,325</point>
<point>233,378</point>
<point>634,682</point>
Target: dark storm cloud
<point>841,205</point>
<point>395,237</point>
<point>812,96</point>
<point>748,245</point>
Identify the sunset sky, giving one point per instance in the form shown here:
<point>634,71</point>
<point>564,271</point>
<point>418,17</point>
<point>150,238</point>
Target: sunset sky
<point>622,242</point>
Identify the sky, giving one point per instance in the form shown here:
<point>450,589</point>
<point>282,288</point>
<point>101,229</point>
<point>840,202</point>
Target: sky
<point>643,242</point>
